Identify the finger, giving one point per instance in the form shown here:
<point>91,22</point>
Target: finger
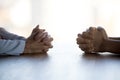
<point>36,28</point>
<point>81,40</point>
<point>99,28</point>
<point>45,47</point>
<point>84,47</point>
<point>50,38</point>
<point>50,46</point>
<point>39,35</point>
<point>92,30</point>
<point>37,51</point>
<point>87,48</point>
<point>39,30</point>
<point>89,31</point>
<point>86,35</point>
<point>35,31</point>
<point>45,50</point>
<point>33,34</point>
<point>79,35</point>
<point>47,39</point>
<point>48,43</point>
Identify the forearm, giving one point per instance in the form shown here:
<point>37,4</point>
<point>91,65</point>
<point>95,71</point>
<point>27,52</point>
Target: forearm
<point>114,38</point>
<point>112,46</point>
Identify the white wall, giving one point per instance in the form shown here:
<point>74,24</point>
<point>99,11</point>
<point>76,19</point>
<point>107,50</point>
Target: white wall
<point>63,19</point>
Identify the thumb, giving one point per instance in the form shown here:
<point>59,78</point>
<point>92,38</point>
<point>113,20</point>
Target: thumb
<point>36,28</point>
<point>103,32</point>
<point>34,31</point>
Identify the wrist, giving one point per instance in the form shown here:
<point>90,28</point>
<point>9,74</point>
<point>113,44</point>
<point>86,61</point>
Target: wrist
<point>111,45</point>
<point>104,45</point>
<point>27,48</point>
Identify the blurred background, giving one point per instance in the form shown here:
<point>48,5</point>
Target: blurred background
<point>63,19</point>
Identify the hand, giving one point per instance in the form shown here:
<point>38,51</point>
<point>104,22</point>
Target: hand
<point>92,40</point>
<point>84,43</point>
<point>34,47</point>
<point>42,36</point>
<point>39,41</point>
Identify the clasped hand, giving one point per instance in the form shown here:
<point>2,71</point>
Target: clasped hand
<point>38,42</point>
<point>92,40</point>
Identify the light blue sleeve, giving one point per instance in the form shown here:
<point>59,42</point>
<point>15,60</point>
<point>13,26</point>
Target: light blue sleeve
<point>7,35</point>
<point>11,47</point>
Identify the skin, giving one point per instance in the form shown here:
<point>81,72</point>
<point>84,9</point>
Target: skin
<point>96,40</point>
<point>38,42</point>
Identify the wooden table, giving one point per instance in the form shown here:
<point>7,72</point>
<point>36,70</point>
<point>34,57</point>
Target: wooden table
<point>63,62</point>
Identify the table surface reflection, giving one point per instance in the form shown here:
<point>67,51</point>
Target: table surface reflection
<point>61,63</point>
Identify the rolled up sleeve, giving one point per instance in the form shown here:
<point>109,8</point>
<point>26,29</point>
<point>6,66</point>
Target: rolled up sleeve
<point>11,47</point>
